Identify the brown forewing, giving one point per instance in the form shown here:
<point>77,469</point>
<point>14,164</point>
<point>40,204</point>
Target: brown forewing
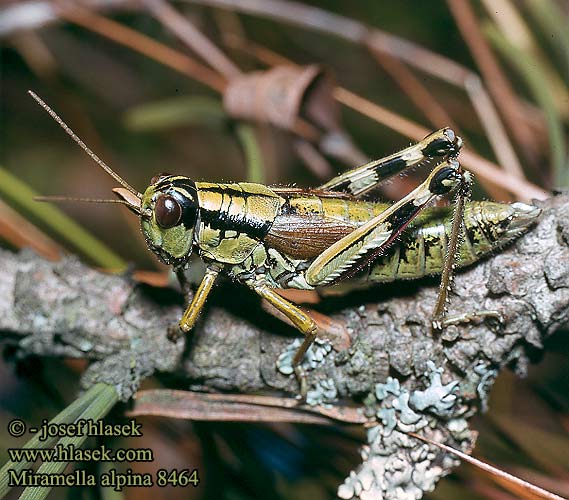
<point>305,236</point>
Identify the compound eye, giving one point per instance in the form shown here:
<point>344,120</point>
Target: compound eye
<point>158,177</point>
<point>168,211</point>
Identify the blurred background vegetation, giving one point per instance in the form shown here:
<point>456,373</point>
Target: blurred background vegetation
<point>497,71</point>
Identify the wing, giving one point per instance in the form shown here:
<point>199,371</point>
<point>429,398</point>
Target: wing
<point>303,236</point>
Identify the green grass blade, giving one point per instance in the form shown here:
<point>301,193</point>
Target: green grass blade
<point>253,158</point>
<point>178,111</point>
<point>554,24</point>
<point>68,415</point>
<point>532,72</point>
<point>20,194</point>
<point>199,111</point>
<point>97,409</point>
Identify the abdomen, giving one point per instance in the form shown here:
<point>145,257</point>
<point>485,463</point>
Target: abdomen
<point>421,251</point>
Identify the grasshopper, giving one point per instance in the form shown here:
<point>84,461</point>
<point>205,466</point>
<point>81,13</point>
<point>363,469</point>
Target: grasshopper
<point>270,238</point>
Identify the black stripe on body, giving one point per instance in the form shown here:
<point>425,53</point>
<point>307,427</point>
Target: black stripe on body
<point>487,231</point>
<point>435,244</point>
<point>404,214</point>
<point>411,258</point>
<point>242,222</point>
<point>478,239</point>
<point>189,206</point>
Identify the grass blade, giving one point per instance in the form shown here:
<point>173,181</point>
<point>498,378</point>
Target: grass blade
<point>69,414</point>
<point>20,194</point>
<point>531,71</point>
<point>98,407</point>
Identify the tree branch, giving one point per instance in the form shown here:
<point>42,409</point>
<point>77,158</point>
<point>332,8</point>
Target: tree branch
<point>402,375</point>
<point>68,309</point>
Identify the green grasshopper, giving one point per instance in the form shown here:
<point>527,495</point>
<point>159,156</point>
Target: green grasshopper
<point>279,237</point>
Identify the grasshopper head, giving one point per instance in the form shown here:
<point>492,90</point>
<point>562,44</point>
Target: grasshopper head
<point>169,212</point>
<point>168,209</point>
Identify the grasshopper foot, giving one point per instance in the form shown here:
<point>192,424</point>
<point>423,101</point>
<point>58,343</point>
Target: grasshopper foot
<point>302,382</point>
<point>174,332</point>
<point>440,324</point>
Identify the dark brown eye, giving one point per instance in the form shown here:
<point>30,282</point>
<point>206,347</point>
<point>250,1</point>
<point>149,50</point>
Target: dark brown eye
<point>158,177</point>
<point>168,211</point>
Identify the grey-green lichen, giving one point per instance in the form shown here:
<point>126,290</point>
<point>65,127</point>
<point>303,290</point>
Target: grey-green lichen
<point>322,391</point>
<point>313,357</point>
<point>396,465</point>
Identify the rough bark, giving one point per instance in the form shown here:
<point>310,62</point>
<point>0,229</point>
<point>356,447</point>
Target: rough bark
<point>402,374</point>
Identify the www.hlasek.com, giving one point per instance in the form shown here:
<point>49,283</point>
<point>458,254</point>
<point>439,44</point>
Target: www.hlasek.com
<point>50,433</point>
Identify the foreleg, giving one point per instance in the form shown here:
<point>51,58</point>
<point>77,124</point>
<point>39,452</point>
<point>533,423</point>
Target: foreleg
<point>193,310</point>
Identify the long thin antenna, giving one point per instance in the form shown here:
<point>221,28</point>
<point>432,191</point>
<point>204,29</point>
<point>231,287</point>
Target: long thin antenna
<point>59,199</point>
<point>83,146</point>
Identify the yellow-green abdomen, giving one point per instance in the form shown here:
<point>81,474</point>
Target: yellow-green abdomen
<point>421,251</point>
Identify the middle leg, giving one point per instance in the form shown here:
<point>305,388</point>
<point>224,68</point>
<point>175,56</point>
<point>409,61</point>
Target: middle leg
<point>299,319</point>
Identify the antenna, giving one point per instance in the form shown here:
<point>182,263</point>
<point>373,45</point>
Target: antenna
<point>84,147</point>
<point>56,198</point>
